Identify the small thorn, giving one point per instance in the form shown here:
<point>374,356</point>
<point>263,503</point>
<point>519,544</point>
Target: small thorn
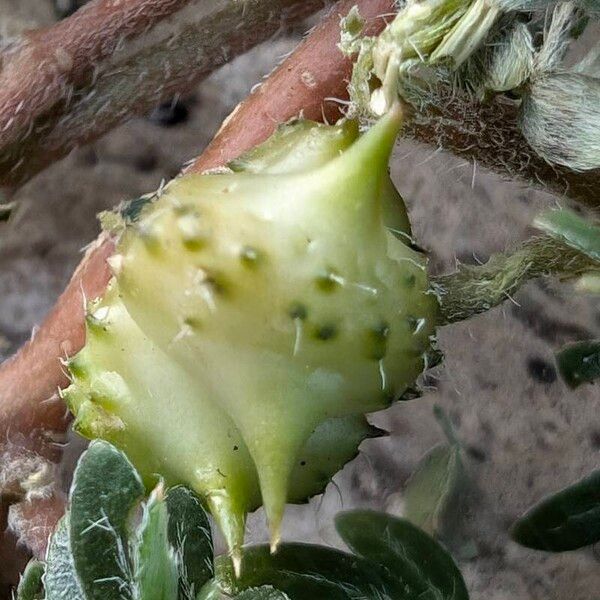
<point>115,262</point>
<point>158,493</point>
<point>275,540</point>
<point>236,559</point>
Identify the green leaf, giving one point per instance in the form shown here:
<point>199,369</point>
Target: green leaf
<point>567,520</point>
<point>432,487</point>
<point>31,586</point>
<point>60,580</point>
<point>588,283</point>
<point>105,490</point>
<point>310,572</point>
<point>156,573</point>
<point>266,592</point>
<point>572,230</point>
<point>406,551</point>
<point>580,362</point>
<point>190,536</point>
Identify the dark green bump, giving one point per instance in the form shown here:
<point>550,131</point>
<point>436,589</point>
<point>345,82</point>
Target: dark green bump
<point>77,368</point>
<point>298,311</point>
<point>410,280</point>
<point>250,257</point>
<point>219,284</point>
<point>151,242</point>
<point>149,237</point>
<point>192,237</point>
<point>325,332</point>
<point>377,338</point>
<point>192,322</point>
<point>327,281</point>
<point>95,325</point>
<point>193,243</point>
<point>184,209</point>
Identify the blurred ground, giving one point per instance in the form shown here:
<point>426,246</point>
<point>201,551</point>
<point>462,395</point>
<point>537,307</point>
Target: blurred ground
<point>524,433</point>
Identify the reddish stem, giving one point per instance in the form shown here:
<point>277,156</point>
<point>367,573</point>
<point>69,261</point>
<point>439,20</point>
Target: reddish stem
<point>312,80</point>
<point>65,85</point>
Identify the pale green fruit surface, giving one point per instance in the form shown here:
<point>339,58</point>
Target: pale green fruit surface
<point>253,320</point>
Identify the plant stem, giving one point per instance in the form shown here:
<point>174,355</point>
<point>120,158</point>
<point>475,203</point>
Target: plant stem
<point>488,134</point>
<point>68,84</point>
<point>475,289</point>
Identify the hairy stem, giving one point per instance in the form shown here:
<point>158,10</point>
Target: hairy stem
<point>313,80</point>
<point>475,289</point>
<point>66,85</point>
<point>488,134</point>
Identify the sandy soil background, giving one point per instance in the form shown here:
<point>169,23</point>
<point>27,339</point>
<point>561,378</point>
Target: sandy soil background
<point>524,433</point>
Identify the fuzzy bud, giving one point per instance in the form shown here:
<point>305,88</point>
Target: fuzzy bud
<point>560,118</point>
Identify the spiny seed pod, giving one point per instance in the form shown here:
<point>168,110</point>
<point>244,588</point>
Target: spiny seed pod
<point>254,318</point>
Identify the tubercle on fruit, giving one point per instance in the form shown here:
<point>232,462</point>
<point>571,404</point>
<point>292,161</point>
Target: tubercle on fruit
<point>253,320</point>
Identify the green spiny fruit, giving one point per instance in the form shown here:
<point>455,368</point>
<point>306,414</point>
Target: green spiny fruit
<point>254,318</point>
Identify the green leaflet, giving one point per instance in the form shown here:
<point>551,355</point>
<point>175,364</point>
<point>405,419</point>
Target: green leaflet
<point>156,570</point>
<point>170,553</point>
<point>190,536</point>
<point>409,553</point>
<point>104,492</point>
<point>567,520</point>
<point>432,487</point>
<point>580,362</point>
<point>310,572</point>
<point>571,229</point>
<point>31,586</point>
<point>60,580</point>
<point>166,556</point>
